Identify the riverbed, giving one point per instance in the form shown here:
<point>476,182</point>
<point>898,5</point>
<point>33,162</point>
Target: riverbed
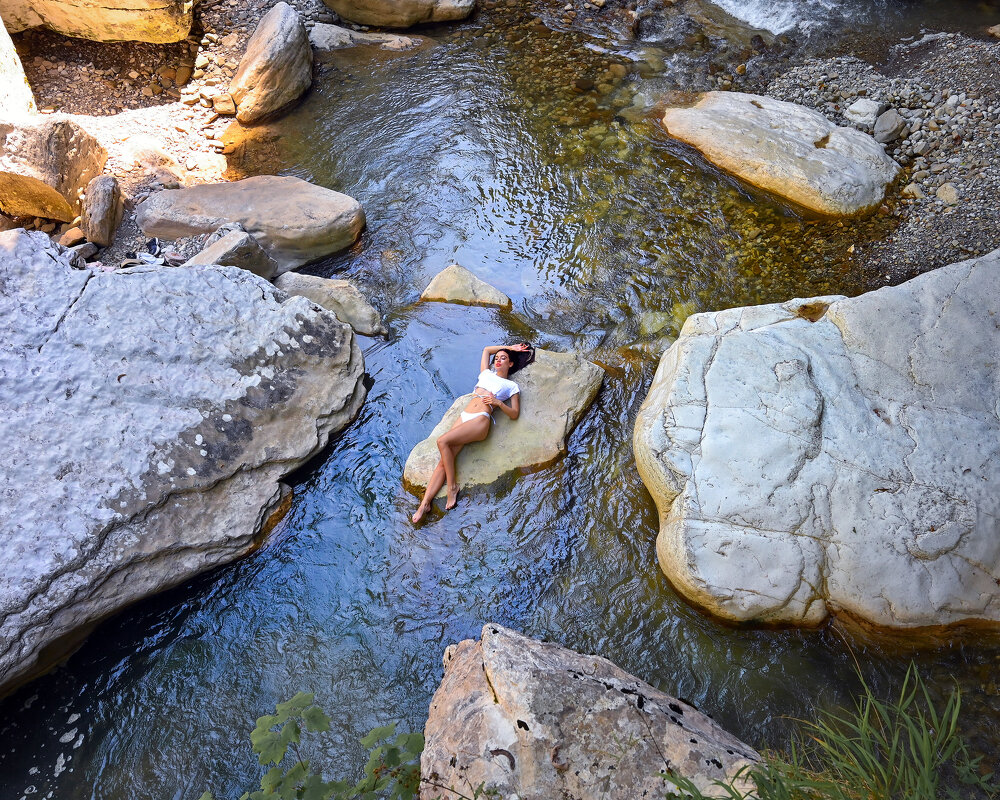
<point>497,146</point>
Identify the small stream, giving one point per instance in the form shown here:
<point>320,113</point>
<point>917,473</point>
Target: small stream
<point>481,148</point>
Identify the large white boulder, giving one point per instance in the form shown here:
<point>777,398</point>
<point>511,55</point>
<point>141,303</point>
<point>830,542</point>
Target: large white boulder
<point>834,455</point>
<point>16,96</point>
<point>786,149</point>
<point>533,720</point>
<point>133,20</point>
<point>275,69</point>
<point>148,417</point>
<point>401,13</point>
<point>295,221</point>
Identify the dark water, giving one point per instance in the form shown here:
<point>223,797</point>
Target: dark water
<point>482,149</point>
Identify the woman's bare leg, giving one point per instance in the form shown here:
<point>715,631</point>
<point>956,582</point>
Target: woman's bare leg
<point>433,487</point>
<point>450,445</point>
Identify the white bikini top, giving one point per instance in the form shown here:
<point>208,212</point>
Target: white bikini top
<point>501,388</point>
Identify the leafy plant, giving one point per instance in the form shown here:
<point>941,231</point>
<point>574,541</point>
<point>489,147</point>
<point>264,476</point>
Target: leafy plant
<point>905,749</point>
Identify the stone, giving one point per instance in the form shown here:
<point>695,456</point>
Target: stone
<point>236,249</point>
<point>947,194</point>
<point>16,97</point>
<point>102,209</point>
<point>149,417</point>
<point>337,295</point>
<point>455,284</point>
<point>529,719</point>
<point>45,164</point>
<point>224,104</point>
<point>73,236</point>
<point>888,126</point>
<point>994,31</point>
<point>276,69</point>
<point>834,455</point>
<point>864,112</point>
<point>788,150</point>
<point>157,21</point>
<point>556,390</point>
<point>401,13</point>
<point>295,221</point>
<point>913,191</point>
<point>334,37</point>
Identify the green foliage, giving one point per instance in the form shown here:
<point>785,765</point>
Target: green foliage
<point>901,750</point>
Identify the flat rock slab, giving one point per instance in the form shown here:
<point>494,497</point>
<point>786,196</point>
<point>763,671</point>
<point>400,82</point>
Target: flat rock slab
<point>148,416</point>
<point>333,37</point>
<point>786,149</point>
<point>276,68</point>
<point>834,455</point>
<point>158,21</point>
<point>555,391</point>
<point>536,721</point>
<point>295,221</point>
<point>401,13</point>
<point>340,296</point>
<point>456,284</point>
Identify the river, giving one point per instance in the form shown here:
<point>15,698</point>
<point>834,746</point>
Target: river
<point>482,148</point>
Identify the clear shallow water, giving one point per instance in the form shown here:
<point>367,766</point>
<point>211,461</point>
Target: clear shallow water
<point>478,149</point>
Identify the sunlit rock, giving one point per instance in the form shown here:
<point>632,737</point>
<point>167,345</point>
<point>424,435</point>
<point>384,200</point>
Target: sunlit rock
<point>149,416</point>
<point>234,247</point>
<point>787,149</point>
<point>401,13</point>
<point>455,284</point>
<point>135,20</point>
<point>531,719</point>
<point>555,392</point>
<point>295,221</point>
<point>276,68</point>
<point>334,37</point>
<point>102,209</point>
<point>337,295</point>
<point>46,163</point>
<point>834,455</point>
<point>15,93</point>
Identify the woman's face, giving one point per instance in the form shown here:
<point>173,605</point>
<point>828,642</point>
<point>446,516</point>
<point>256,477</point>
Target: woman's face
<point>501,362</point>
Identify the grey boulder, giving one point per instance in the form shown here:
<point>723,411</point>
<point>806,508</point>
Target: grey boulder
<point>340,296</point>
<point>148,417</point>
<point>295,221</point>
<point>401,13</point>
<point>834,455</point>
<point>533,720</point>
<point>235,248</point>
<point>102,209</point>
<point>889,125</point>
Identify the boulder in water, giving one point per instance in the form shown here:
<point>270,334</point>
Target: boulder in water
<point>337,295</point>
<point>456,284</point>
<point>401,13</point>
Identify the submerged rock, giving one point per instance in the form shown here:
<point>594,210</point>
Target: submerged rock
<point>334,37</point>
<point>834,455</point>
<point>401,13</point>
<point>456,284</point>
<point>276,68</point>
<point>786,149</point>
<point>534,720</point>
<point>295,222</point>
<point>555,391</point>
<point>45,164</point>
<point>339,296</point>
<point>157,21</point>
<point>148,417</point>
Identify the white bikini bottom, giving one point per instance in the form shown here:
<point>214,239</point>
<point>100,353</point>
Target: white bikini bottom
<point>466,415</point>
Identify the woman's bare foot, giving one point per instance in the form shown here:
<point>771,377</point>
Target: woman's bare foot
<point>418,515</point>
<point>452,499</point>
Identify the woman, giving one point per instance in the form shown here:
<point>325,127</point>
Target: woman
<point>493,389</point>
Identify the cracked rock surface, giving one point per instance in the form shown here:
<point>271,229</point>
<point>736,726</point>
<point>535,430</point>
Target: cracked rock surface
<point>536,721</point>
<point>834,455</point>
<point>147,418</point>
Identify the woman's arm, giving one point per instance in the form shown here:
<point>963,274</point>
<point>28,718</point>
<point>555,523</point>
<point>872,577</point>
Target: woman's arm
<point>484,362</point>
<point>513,411</point>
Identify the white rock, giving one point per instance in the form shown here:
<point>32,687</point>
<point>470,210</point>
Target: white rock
<point>15,94</point>
<point>864,111</point>
<point>846,465</point>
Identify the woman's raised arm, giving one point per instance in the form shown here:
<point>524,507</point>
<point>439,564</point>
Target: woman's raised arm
<point>484,362</point>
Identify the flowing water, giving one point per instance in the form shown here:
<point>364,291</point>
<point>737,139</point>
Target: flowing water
<point>486,147</point>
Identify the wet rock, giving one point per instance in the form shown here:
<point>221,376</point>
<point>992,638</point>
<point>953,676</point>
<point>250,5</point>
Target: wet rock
<point>786,149</point>
<point>149,417</point>
<point>45,164</point>
<point>889,126</point>
<point>339,296</point>
<point>805,463</point>
<point>333,37</point>
<point>16,97</point>
<point>531,719</point>
<point>401,13</point>
<point>295,222</point>
<point>276,68</point>
<point>236,248</point>
<point>555,392</point>
<point>102,209</point>
<point>137,20</point>
<point>455,284</point>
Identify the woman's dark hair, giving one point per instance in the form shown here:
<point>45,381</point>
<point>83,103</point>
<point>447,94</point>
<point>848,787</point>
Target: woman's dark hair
<point>518,359</point>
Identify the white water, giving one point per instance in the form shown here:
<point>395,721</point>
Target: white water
<point>778,16</point>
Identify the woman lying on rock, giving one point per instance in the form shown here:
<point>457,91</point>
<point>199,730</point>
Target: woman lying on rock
<point>494,389</point>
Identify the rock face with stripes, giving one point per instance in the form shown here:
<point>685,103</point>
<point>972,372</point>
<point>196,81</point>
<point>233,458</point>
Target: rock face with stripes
<point>148,418</point>
<point>834,455</point>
